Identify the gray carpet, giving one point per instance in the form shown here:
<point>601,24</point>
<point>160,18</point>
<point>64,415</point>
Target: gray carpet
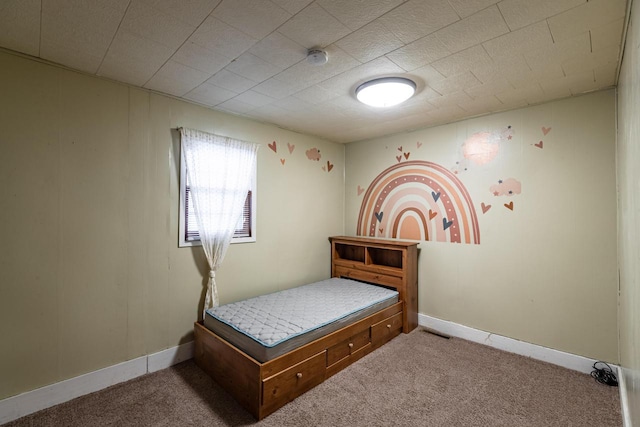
<point>417,379</point>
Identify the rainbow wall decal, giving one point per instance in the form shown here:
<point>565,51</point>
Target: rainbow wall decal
<point>419,200</point>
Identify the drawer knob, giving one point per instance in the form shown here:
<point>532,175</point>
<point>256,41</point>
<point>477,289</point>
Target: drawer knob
<point>299,375</point>
<point>388,326</point>
<point>350,345</point>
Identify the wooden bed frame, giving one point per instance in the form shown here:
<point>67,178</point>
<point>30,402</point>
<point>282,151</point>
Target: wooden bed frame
<point>262,388</point>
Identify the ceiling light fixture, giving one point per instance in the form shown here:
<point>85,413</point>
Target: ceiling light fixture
<point>386,91</point>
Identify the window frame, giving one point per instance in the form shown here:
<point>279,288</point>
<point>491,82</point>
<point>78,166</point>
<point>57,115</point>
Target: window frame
<point>182,227</point>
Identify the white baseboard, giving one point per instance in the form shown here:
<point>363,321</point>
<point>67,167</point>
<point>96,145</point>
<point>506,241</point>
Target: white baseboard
<point>18,406</point>
<point>556,357</point>
<point>169,357</point>
<point>624,396</point>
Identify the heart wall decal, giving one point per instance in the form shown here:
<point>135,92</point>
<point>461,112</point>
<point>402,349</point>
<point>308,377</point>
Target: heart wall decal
<point>360,190</point>
<point>446,224</point>
<point>540,144</point>
<point>273,147</point>
<point>379,216</point>
<point>435,196</point>
<point>484,207</point>
<point>432,214</point>
<point>291,148</point>
<point>509,205</point>
<point>329,166</point>
<point>546,130</point>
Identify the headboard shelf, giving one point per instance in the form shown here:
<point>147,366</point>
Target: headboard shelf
<point>384,256</point>
<point>349,252</point>
<point>391,263</point>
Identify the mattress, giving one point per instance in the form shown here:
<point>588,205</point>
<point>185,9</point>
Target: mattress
<point>268,326</point>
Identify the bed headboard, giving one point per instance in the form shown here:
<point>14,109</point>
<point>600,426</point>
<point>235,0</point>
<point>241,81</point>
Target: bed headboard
<point>390,263</point>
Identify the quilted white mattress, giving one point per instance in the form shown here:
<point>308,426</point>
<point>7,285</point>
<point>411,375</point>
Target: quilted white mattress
<point>270,325</point>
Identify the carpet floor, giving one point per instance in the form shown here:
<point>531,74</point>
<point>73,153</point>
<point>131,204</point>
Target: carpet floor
<point>418,379</point>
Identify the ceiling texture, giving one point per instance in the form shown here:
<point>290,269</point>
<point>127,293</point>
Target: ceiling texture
<point>248,57</point>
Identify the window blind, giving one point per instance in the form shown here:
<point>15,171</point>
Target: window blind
<point>191,232</point>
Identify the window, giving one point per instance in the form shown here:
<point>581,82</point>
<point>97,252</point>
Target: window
<point>189,236</point>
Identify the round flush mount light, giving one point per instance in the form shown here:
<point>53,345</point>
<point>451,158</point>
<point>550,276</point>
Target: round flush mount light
<point>386,91</point>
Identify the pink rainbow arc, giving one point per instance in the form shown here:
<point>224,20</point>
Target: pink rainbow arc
<point>406,188</point>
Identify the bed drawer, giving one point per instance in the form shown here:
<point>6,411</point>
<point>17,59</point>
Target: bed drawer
<point>368,276</point>
<point>390,327</point>
<point>348,347</point>
<point>290,383</point>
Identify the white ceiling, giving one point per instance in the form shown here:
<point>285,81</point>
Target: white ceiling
<point>248,57</point>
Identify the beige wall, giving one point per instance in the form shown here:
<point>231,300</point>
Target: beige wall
<point>629,212</point>
<point>90,271</point>
<point>544,272</point>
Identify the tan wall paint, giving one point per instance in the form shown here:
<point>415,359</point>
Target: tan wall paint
<point>545,272</point>
<point>629,213</point>
<point>85,163</point>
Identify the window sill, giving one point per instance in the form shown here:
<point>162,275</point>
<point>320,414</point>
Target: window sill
<point>186,244</point>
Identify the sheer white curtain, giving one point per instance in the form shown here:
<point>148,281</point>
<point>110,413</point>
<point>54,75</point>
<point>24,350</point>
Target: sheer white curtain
<point>220,171</point>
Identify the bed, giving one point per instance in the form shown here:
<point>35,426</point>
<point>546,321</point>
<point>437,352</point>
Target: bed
<point>268,350</point>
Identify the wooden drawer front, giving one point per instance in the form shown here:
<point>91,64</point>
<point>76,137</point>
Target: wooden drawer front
<point>348,347</point>
<point>290,383</point>
<point>387,329</point>
<point>368,276</point>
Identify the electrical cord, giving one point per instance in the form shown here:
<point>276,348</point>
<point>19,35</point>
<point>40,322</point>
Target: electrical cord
<point>604,374</point>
